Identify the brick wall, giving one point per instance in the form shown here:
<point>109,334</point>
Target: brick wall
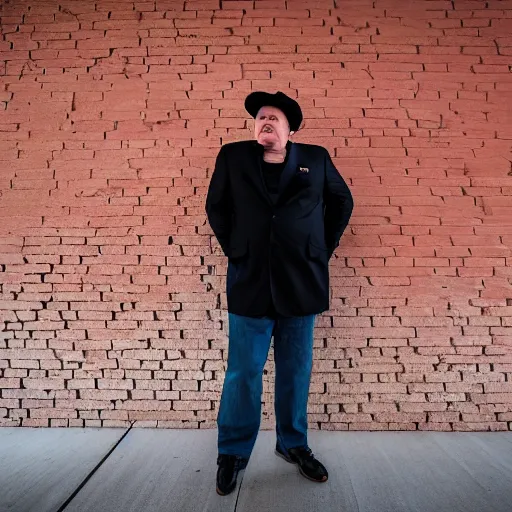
<point>112,286</point>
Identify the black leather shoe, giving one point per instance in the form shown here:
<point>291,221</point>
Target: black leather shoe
<point>309,467</point>
<point>229,466</point>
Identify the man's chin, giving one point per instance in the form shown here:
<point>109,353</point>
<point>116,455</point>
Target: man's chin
<point>267,142</point>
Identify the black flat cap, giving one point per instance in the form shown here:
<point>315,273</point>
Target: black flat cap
<point>289,106</point>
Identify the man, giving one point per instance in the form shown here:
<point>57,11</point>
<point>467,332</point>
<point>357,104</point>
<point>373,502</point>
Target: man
<point>278,210</point>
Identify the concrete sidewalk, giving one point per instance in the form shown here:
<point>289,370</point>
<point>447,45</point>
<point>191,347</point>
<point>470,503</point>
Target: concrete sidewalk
<point>150,470</point>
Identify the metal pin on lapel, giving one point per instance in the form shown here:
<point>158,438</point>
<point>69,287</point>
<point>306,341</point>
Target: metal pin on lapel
<point>303,169</point>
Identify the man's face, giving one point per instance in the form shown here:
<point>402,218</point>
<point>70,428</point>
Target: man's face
<point>271,128</point>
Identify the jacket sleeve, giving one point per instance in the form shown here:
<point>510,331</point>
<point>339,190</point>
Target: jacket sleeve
<point>338,205</point>
<point>219,203</point>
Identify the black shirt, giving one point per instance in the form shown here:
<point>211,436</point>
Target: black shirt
<point>272,175</point>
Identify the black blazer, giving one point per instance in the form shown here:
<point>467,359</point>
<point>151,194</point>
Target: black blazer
<point>278,251</point>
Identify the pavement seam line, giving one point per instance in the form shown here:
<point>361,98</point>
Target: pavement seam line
<point>93,471</point>
<point>239,490</point>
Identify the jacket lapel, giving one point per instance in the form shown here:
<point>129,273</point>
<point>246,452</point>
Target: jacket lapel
<point>289,170</point>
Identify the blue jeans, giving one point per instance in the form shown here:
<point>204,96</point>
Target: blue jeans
<point>240,406</point>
